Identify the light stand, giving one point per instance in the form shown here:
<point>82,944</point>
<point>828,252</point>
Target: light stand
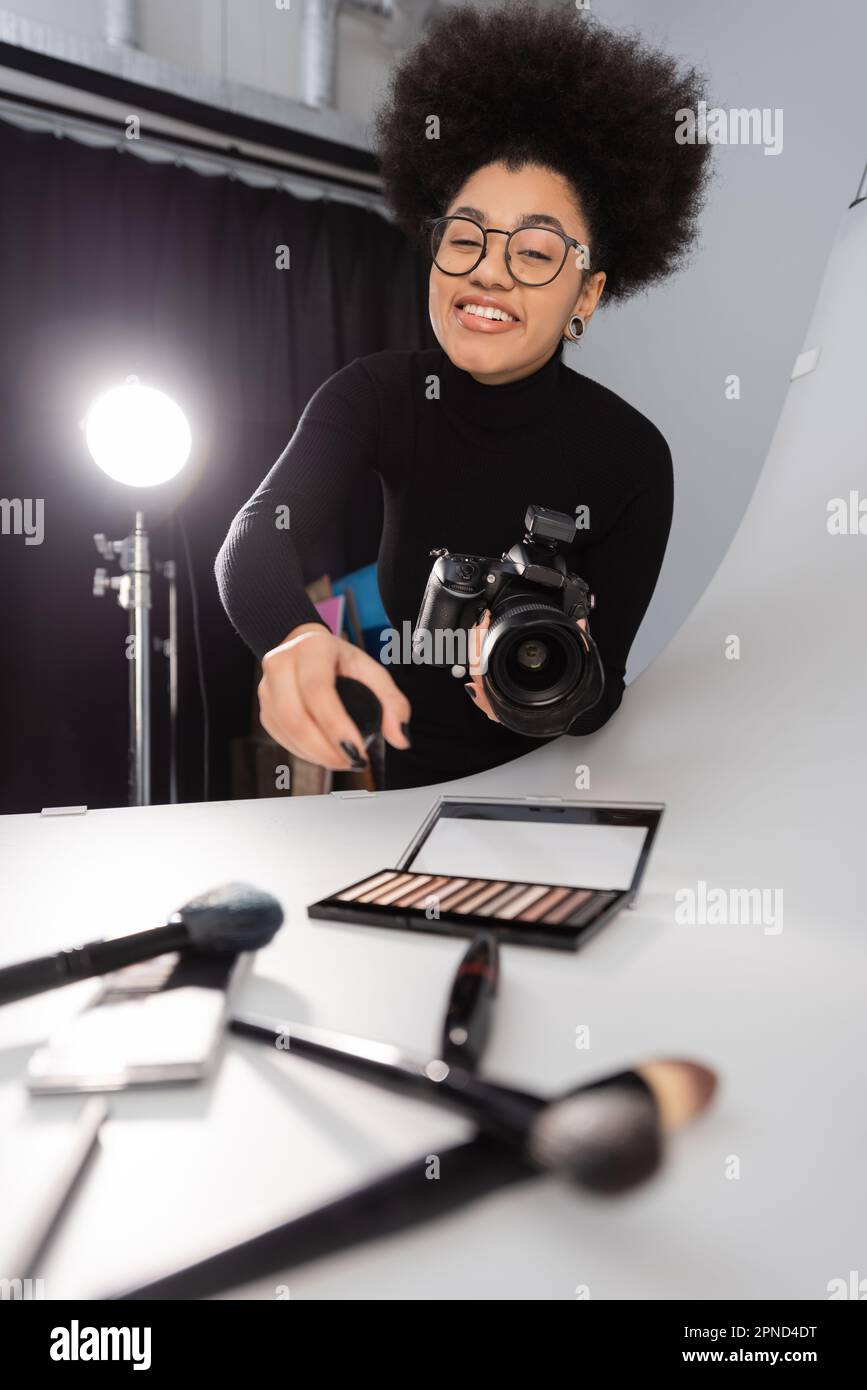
<point>169,649</point>
<point>138,436</point>
<point>133,588</point>
<point>134,594</point>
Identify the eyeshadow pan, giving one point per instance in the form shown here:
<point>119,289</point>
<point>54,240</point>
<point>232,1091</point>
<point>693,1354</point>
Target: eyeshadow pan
<point>373,895</point>
<point>589,910</point>
<point>410,891</point>
<point>493,905</point>
<point>512,902</point>
<point>366,884</point>
<point>523,901</point>
<point>563,909</point>
<point>446,887</point>
<point>482,896</point>
<point>546,904</point>
<point>420,900</point>
<point>399,890</point>
<point>457,895</point>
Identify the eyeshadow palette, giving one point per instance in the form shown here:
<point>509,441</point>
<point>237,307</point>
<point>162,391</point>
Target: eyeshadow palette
<point>536,872</point>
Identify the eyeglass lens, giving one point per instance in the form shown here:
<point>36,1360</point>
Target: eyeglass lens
<point>536,254</point>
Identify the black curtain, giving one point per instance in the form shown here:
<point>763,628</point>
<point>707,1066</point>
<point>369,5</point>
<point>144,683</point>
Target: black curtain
<point>109,266</point>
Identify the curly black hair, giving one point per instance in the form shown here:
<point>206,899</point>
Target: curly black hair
<point>556,88</point>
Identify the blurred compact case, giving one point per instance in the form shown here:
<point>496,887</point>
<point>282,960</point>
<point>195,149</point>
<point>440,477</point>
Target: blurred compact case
<point>535,871</point>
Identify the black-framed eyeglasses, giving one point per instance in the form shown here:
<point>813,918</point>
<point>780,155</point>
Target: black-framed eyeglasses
<point>534,255</point>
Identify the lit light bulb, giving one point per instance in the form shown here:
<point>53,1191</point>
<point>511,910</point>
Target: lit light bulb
<point>137,435</point>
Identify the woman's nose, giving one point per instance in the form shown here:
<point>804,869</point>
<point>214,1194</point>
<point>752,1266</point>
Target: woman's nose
<point>493,267</point>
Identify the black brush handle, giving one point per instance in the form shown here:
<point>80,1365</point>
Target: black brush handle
<point>498,1110</point>
<point>402,1199</point>
<point>82,962</point>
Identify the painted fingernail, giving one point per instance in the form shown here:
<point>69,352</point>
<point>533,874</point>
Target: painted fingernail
<point>404,729</point>
<point>470,691</point>
<point>353,755</point>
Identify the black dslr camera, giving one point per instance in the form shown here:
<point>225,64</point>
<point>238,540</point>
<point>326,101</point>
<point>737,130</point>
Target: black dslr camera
<point>539,669</point>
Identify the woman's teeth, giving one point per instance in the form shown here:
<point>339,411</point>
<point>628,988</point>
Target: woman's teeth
<point>486,313</point>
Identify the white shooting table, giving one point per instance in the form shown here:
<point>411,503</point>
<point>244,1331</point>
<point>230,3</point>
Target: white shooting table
<point>762,764</point>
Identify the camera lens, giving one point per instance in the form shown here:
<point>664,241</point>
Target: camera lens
<point>539,669</point>
<point>532,655</point>
<point>531,666</point>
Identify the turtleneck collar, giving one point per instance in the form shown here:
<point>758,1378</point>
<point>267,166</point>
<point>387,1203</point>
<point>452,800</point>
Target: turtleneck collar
<point>499,415</point>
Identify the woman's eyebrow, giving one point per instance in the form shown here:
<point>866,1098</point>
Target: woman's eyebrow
<point>540,219</point>
<point>528,219</point>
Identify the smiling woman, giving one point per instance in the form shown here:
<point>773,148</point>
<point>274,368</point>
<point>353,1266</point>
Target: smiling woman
<point>531,256</point>
<point>551,177</point>
<point>528,269</point>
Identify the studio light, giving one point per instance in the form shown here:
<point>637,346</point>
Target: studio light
<point>140,437</point>
<point>137,435</point>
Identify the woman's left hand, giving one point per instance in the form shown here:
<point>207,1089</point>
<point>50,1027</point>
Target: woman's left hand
<point>474,687</point>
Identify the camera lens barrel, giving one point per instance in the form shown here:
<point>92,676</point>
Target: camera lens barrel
<point>540,670</point>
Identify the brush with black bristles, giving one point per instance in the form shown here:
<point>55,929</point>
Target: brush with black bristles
<point>607,1135</point>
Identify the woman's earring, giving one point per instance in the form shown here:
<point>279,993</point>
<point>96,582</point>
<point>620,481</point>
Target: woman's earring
<point>575,329</point>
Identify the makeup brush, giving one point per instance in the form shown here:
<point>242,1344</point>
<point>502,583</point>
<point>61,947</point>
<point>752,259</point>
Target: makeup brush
<point>361,705</point>
<point>606,1136</point>
<point>399,1201</point>
<point>468,1171</point>
<point>235,917</point>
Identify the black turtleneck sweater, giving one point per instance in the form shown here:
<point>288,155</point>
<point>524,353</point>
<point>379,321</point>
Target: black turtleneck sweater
<point>459,462</point>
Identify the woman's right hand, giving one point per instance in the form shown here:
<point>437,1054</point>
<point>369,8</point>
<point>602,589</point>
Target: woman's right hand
<point>299,705</point>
